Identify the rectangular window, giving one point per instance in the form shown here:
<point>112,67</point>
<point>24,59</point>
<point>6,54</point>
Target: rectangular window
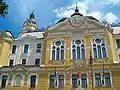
<point>26,48</point>
<point>84,80</point>
<point>98,80</point>
<point>52,81</point>
<point>37,61</point>
<point>107,80</point>
<point>11,62</point>
<point>24,61</point>
<point>118,43</point>
<point>4,80</point>
<point>38,49</point>
<point>33,81</point>
<point>74,81</point>
<point>61,81</point>
<point>13,49</point>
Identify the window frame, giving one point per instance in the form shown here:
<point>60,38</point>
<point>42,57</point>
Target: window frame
<point>83,43</point>
<point>38,49</point>
<point>24,51</point>
<point>36,62</point>
<point>12,62</point>
<point>14,50</point>
<point>61,49</point>
<point>102,45</point>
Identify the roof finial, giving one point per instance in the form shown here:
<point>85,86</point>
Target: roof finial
<point>32,15</point>
<point>76,10</point>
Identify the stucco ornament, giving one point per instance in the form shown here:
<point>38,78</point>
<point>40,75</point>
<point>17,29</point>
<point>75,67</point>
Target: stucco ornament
<point>77,20</point>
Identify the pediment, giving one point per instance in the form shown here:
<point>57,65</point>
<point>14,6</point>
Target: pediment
<point>19,68</point>
<point>76,23</point>
<point>26,37</point>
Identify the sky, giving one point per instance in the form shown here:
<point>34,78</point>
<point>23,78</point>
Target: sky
<point>50,11</point>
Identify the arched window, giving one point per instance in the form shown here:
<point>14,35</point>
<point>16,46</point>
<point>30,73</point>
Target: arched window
<point>99,48</point>
<point>78,49</point>
<point>58,50</point>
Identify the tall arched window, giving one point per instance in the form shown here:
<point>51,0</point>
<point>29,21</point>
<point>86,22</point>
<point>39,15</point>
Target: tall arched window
<point>99,48</point>
<point>78,49</point>
<point>58,50</point>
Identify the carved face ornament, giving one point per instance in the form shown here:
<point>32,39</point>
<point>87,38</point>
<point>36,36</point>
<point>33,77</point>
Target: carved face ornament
<point>77,20</point>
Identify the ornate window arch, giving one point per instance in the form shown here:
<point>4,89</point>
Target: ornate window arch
<point>58,50</point>
<point>78,49</point>
<point>99,47</point>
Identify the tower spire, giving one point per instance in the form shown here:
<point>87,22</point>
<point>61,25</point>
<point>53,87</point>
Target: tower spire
<point>76,10</point>
<point>32,15</point>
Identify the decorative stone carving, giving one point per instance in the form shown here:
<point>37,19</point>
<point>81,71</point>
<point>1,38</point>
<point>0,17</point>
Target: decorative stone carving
<point>77,21</point>
<point>57,62</point>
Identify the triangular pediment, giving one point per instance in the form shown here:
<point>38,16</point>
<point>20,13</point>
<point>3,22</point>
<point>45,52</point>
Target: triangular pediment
<point>19,68</point>
<point>26,37</point>
<point>77,23</point>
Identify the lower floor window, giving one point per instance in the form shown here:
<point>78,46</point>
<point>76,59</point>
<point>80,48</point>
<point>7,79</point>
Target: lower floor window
<point>56,81</point>
<point>4,80</point>
<point>98,80</point>
<point>107,80</point>
<point>33,81</point>
<point>61,81</point>
<point>74,81</point>
<point>84,80</point>
<point>52,80</point>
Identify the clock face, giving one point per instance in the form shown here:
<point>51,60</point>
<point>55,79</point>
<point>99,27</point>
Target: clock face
<point>77,20</point>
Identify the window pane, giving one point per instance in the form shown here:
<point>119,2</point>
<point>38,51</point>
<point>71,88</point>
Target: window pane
<point>13,49</point>
<point>33,81</point>
<point>104,52</point>
<point>74,53</point>
<point>37,61</point>
<point>4,80</point>
<point>53,54</point>
<point>52,78</point>
<point>74,81</point>
<point>84,80</point>
<point>95,52</point>
<point>62,54</point>
<point>57,54</point>
<point>83,53</point>
<point>98,80</point>
<point>78,52</point>
<point>38,48</point>
<point>11,62</point>
<point>58,43</point>
<point>23,61</point>
<point>77,42</point>
<point>98,40</point>
<point>118,43</point>
<point>61,81</point>
<point>107,80</point>
<point>99,52</point>
<point>26,48</point>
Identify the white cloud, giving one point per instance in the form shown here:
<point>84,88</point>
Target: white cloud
<point>110,17</point>
<point>114,2</point>
<point>88,8</point>
<point>69,9</point>
<point>98,15</point>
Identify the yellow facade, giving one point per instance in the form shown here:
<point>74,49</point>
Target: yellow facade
<point>68,64</point>
<point>5,42</point>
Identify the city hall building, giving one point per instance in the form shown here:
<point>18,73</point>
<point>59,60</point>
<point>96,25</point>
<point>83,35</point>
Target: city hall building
<point>77,53</point>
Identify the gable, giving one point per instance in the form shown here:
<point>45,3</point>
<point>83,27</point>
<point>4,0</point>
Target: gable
<point>19,68</point>
<point>76,23</point>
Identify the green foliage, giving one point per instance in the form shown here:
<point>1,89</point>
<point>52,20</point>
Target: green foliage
<point>3,8</point>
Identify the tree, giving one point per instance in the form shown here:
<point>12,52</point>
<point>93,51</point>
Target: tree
<point>3,8</point>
